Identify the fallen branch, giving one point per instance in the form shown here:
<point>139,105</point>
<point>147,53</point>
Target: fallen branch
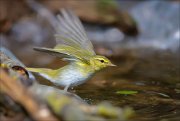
<point>19,94</point>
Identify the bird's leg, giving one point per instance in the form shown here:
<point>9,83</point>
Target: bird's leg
<point>66,88</point>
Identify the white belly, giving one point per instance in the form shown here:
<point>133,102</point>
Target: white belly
<point>69,76</point>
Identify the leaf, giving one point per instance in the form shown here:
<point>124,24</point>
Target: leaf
<point>126,92</point>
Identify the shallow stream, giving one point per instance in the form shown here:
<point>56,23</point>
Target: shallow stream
<point>155,78</point>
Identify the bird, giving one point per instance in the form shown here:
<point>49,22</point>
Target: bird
<point>72,45</point>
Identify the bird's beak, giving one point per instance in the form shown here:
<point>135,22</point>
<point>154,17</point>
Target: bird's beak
<point>112,64</point>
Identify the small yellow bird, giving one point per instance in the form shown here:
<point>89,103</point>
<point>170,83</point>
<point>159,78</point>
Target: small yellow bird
<point>75,47</point>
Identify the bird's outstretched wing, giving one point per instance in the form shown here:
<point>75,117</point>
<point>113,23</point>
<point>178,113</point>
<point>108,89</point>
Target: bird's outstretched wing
<point>71,31</point>
<point>66,52</point>
<point>71,38</point>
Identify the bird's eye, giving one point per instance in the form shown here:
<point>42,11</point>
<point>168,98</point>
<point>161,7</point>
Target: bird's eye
<point>102,61</point>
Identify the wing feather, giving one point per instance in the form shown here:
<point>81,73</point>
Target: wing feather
<point>52,52</point>
<point>70,25</point>
<point>65,29</point>
<point>72,41</point>
<point>66,52</point>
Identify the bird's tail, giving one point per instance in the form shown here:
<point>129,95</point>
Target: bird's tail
<point>37,70</point>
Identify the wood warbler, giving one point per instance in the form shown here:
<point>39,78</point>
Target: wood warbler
<point>74,46</point>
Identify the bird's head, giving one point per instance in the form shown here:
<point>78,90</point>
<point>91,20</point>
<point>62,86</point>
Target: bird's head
<point>99,62</point>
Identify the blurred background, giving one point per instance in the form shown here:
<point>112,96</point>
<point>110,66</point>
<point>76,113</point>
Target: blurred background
<point>142,37</point>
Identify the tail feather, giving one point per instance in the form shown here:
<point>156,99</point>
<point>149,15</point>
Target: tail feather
<point>37,70</point>
<point>44,71</point>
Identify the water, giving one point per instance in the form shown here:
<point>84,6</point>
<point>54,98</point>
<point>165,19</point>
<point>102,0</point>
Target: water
<point>156,78</point>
